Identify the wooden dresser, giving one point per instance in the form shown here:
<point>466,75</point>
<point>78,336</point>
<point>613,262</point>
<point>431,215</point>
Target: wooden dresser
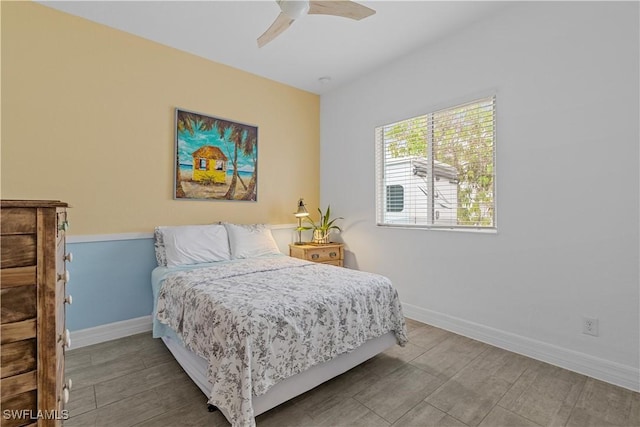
<point>33,281</point>
<point>330,253</point>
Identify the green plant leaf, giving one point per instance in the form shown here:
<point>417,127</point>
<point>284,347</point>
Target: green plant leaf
<point>330,224</point>
<point>325,223</point>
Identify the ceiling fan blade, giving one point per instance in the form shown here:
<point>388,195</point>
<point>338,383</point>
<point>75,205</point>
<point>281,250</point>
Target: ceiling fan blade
<point>344,8</point>
<point>281,23</point>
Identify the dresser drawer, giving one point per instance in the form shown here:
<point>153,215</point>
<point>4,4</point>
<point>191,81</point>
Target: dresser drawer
<point>63,395</point>
<point>18,250</point>
<point>19,303</point>
<point>18,221</point>
<point>18,357</point>
<point>62,275</point>
<point>18,384</point>
<point>18,331</point>
<point>22,402</point>
<point>18,276</point>
<point>60,309</point>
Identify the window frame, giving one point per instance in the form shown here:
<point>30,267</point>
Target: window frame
<point>381,183</point>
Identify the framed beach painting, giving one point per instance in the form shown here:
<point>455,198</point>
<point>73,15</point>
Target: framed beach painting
<point>216,159</point>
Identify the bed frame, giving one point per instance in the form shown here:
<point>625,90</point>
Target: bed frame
<point>196,367</point>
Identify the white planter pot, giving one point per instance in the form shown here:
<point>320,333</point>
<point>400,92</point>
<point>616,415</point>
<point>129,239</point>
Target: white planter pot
<point>320,237</point>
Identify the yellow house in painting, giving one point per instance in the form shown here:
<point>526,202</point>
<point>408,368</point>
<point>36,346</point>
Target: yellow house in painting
<point>209,165</point>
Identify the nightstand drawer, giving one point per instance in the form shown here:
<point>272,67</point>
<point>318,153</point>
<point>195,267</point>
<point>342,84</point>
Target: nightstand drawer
<point>331,253</point>
<point>322,254</point>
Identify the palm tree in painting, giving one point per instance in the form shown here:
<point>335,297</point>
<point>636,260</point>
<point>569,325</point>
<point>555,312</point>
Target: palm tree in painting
<point>236,137</point>
<point>249,146</point>
<point>244,139</point>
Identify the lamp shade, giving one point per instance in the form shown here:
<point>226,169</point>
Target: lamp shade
<point>302,209</point>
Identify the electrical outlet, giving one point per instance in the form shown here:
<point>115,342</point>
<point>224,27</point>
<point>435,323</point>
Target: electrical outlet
<point>590,326</point>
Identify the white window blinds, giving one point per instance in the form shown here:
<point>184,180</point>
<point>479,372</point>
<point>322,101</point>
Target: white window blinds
<point>438,169</point>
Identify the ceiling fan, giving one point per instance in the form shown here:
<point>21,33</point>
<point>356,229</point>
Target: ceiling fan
<point>294,9</point>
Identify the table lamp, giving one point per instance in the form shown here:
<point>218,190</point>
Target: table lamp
<point>300,213</point>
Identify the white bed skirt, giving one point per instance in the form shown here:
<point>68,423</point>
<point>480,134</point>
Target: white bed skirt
<point>196,367</point>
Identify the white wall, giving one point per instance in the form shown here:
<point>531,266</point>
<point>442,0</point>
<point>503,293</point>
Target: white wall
<point>566,80</point>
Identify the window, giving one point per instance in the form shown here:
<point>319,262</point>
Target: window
<point>438,170</point>
<point>203,164</point>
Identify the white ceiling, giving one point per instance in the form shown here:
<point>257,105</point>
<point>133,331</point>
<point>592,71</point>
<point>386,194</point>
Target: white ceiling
<point>313,47</point>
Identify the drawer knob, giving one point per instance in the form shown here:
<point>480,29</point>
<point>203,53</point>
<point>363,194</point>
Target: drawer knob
<point>333,254</point>
<point>68,300</point>
<point>68,257</point>
<point>64,225</point>
<point>64,276</point>
<point>315,256</point>
<point>65,338</point>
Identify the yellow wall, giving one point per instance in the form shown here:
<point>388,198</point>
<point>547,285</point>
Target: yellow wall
<point>88,118</point>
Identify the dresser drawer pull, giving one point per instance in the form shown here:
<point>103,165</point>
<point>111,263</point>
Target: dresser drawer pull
<point>65,338</point>
<point>333,254</point>
<point>64,276</point>
<point>69,384</point>
<point>68,257</point>
<point>63,226</point>
<point>65,395</point>
<point>68,300</point>
<point>315,256</point>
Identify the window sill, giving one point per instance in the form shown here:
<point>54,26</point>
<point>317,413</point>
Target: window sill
<point>492,230</point>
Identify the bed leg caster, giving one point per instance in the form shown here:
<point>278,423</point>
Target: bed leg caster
<point>211,408</point>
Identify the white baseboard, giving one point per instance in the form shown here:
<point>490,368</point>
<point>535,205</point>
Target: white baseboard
<point>110,331</point>
<point>605,370</point>
<point>602,369</point>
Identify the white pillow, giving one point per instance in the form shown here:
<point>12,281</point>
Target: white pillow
<point>248,241</point>
<point>194,244</point>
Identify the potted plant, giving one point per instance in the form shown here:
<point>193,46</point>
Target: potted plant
<point>322,229</point>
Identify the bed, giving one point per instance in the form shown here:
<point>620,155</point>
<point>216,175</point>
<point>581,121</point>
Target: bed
<point>254,328</point>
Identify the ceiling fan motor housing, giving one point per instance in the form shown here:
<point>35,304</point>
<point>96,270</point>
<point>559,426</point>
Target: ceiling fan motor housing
<point>294,9</point>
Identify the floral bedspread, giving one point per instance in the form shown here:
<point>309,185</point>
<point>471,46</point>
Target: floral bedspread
<point>259,321</point>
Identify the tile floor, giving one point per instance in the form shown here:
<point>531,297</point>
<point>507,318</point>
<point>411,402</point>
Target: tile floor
<point>438,379</point>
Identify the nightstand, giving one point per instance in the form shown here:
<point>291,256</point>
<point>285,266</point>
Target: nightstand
<point>330,253</point>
